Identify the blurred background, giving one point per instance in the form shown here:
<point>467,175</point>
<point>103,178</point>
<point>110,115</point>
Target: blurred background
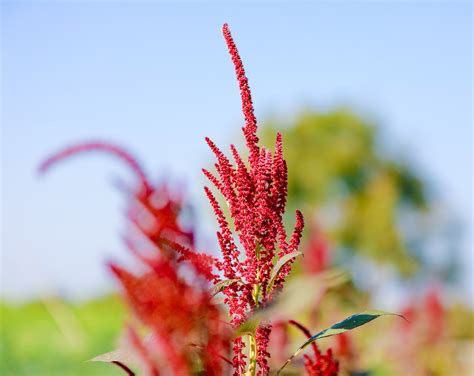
<point>374,101</point>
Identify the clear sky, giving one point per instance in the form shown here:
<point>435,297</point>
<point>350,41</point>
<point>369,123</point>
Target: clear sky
<point>157,79</point>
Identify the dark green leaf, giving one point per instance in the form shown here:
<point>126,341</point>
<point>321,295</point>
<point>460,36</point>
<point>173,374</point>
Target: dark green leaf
<point>349,323</point>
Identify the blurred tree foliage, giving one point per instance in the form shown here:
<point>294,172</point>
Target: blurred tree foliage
<point>337,171</point>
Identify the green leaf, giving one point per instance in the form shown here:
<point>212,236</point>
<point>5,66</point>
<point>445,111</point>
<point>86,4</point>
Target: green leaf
<point>349,323</point>
<point>218,287</point>
<point>279,265</point>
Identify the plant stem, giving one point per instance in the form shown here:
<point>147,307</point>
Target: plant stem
<point>252,356</point>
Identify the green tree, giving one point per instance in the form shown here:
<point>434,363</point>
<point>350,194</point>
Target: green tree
<point>359,196</point>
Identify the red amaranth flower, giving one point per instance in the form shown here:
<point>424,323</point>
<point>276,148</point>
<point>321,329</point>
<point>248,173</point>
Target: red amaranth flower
<point>171,299</point>
<point>322,364</point>
<point>178,314</point>
<point>262,337</point>
<point>152,210</point>
<point>255,194</point>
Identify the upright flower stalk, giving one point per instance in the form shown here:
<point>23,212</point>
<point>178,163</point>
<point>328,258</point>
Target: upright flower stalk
<point>255,193</point>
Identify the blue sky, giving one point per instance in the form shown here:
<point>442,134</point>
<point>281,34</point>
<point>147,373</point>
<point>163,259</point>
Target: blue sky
<point>156,78</point>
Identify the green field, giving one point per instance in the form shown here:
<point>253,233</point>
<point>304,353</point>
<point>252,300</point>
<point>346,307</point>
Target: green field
<point>52,337</point>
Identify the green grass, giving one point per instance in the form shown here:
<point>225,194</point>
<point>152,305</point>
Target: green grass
<point>57,338</point>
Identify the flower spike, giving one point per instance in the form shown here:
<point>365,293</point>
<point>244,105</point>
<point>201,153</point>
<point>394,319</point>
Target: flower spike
<point>250,129</point>
<point>106,147</point>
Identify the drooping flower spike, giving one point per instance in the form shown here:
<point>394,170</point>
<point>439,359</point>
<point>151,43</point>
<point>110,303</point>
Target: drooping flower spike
<point>171,299</point>
<point>153,210</point>
<point>100,146</point>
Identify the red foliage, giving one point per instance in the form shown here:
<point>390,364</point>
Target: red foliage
<point>171,299</point>
<point>178,315</point>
